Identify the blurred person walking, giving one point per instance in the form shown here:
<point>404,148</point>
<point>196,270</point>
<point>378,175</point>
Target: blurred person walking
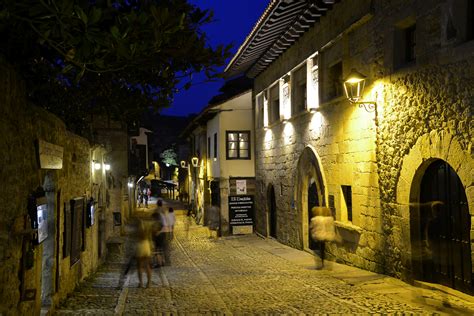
<point>167,222</point>
<point>145,196</point>
<point>322,230</point>
<point>143,251</point>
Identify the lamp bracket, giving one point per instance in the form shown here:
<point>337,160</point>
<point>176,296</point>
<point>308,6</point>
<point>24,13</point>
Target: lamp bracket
<point>369,106</point>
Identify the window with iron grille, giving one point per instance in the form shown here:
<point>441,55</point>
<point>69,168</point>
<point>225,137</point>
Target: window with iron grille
<point>238,145</point>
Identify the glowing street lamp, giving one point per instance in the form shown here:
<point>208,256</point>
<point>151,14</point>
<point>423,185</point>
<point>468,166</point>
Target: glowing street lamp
<point>96,165</point>
<point>195,161</point>
<point>354,86</point>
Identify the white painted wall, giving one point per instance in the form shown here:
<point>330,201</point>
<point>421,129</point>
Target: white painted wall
<point>235,115</point>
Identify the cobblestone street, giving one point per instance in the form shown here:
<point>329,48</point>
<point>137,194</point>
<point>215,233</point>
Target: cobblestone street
<point>250,275</point>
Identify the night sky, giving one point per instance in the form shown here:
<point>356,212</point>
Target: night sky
<point>234,21</point>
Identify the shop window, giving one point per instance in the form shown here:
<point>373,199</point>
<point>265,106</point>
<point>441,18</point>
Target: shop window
<point>334,81</point>
<point>346,204</point>
<point>299,90</point>
<point>238,145</point>
<point>274,104</point>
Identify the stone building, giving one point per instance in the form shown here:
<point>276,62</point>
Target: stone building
<point>395,163</point>
<point>55,198</point>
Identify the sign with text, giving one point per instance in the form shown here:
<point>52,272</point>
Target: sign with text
<point>241,186</point>
<point>50,155</point>
<point>241,210</point>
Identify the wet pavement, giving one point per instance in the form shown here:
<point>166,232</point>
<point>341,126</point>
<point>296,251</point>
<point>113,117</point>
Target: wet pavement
<point>249,275</point>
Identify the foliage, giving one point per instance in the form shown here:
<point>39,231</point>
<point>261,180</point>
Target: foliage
<point>85,57</point>
<point>169,157</point>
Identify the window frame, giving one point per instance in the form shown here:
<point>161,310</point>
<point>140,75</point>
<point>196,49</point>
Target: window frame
<point>274,103</point>
<point>215,146</point>
<point>333,89</point>
<point>299,96</point>
<point>227,143</point>
<point>346,191</point>
<point>209,146</point>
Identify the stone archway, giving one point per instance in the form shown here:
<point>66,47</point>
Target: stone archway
<point>309,174</point>
<point>437,145</point>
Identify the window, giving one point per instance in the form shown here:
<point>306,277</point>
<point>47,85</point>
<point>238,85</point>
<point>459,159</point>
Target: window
<point>209,146</point>
<point>299,90</point>
<point>274,104</point>
<point>347,199</point>
<point>238,144</point>
<point>404,53</point>
<point>410,43</point>
<point>459,22</point>
<point>334,81</point>
<point>470,21</point>
<point>77,229</point>
<point>215,145</point>
<point>260,110</point>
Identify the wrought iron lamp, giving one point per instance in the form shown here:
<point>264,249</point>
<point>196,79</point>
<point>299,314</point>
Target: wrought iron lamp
<point>354,86</point>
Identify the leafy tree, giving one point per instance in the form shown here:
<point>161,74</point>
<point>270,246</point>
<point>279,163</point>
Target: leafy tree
<point>169,157</point>
<point>86,57</point>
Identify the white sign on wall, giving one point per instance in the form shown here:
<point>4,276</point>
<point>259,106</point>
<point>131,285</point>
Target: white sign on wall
<point>50,155</point>
<point>241,186</point>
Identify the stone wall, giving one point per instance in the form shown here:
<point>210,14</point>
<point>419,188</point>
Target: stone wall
<point>343,137</point>
<point>424,100</point>
<point>440,100</point>
<point>21,125</point>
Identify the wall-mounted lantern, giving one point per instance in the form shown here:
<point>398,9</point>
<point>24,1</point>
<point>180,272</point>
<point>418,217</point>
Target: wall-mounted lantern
<point>183,164</point>
<point>354,86</point>
<point>106,166</point>
<point>195,161</point>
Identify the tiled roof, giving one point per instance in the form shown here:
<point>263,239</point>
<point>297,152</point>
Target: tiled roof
<point>282,23</point>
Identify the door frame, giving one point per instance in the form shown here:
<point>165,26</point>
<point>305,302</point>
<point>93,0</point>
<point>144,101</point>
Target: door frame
<point>309,168</point>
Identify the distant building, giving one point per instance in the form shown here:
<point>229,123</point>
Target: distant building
<point>382,158</point>
<point>222,138</point>
<point>139,161</point>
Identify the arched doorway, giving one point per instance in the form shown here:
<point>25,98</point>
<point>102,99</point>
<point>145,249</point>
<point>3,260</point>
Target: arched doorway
<point>272,215</point>
<point>444,228</point>
<point>310,190</point>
